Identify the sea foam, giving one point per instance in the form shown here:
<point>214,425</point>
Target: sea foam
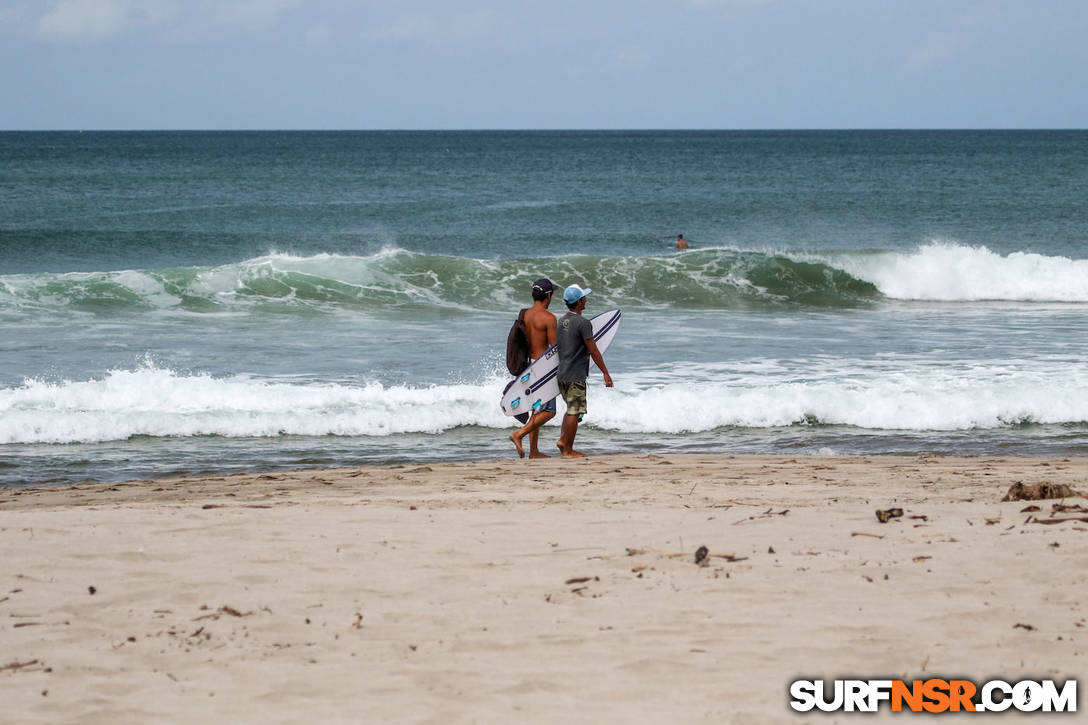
<point>157,402</point>
<point>949,272</point>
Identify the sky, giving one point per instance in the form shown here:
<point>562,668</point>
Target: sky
<point>543,64</point>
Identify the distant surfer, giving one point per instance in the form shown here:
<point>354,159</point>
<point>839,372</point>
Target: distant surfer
<point>540,327</point>
<point>574,336</point>
<point>681,243</point>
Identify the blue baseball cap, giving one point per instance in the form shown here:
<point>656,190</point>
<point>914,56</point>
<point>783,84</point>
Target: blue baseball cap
<point>574,293</point>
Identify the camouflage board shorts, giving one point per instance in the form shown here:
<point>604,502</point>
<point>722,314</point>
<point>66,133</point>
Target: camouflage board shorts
<point>574,395</point>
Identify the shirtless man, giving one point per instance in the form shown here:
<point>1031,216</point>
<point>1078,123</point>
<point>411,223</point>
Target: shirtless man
<point>540,325</point>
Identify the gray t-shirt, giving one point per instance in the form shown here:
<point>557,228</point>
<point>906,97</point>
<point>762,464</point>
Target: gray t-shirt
<point>571,332</point>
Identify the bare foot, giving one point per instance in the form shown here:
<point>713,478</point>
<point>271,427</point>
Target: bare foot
<point>517,444</point>
<point>538,454</point>
<point>571,453</point>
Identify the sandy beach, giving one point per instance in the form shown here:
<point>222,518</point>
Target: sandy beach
<point>543,591</point>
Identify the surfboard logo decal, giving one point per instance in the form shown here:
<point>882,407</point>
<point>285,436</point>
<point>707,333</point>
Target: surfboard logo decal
<point>526,376</point>
<point>515,403</point>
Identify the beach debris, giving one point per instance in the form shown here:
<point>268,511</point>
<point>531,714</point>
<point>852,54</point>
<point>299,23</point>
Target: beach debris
<point>225,609</point>
<point>1060,508</point>
<point>992,521</point>
<point>581,580</point>
<point>862,533</point>
<point>1056,520</point>
<point>770,550</point>
<point>358,623</point>
<point>765,515</point>
<point>701,556</point>
<point>1028,627</point>
<point>18,665</point>
<point>1039,491</point>
<point>1030,509</point>
<point>91,590</point>
<point>886,515</point>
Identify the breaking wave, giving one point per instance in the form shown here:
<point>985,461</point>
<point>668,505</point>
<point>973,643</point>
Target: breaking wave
<point>700,279</point>
<point>156,402</point>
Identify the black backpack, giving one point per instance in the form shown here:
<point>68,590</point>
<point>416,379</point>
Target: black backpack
<point>517,346</point>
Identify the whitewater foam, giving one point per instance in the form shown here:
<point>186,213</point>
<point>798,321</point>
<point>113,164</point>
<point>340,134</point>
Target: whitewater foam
<point>896,402</point>
<point>151,401</point>
<point>949,272</point>
<point>157,402</point>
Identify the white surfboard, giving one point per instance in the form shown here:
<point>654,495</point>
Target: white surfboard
<point>537,384</point>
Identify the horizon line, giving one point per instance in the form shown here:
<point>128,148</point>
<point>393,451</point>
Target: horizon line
<point>798,129</point>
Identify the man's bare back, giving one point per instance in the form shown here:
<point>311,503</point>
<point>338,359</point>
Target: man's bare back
<point>540,324</point>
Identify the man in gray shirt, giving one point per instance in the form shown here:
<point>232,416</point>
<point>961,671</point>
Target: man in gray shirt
<point>574,336</point>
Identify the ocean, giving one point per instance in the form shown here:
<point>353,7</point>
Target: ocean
<point>211,303</point>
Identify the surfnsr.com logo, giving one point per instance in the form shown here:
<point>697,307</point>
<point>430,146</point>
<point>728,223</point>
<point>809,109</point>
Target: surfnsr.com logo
<point>933,695</point>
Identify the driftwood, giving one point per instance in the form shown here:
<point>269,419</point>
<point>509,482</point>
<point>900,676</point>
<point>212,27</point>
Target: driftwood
<point>1032,520</point>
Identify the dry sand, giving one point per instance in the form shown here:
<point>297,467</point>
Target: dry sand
<point>542,591</point>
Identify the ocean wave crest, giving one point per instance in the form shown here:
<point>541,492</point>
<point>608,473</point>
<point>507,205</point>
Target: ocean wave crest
<point>708,279</point>
<point>698,279</point>
<point>945,271</point>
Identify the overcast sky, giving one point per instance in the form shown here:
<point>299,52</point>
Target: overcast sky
<point>431,64</point>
